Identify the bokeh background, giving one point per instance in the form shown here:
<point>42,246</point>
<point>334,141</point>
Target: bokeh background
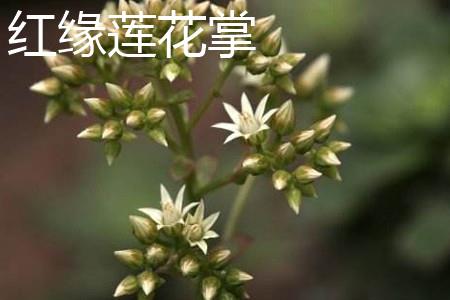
<point>384,233</point>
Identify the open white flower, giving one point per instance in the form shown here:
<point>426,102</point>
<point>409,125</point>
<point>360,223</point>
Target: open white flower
<point>246,123</point>
<point>197,228</point>
<point>171,213</point>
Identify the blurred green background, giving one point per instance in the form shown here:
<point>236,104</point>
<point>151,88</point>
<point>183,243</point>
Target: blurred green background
<point>384,233</point>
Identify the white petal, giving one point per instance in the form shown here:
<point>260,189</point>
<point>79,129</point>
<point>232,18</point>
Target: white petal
<point>199,212</point>
<point>210,235</point>
<point>233,136</point>
<point>232,112</point>
<point>261,108</point>
<point>165,197</point>
<point>263,127</point>
<point>203,246</point>
<point>227,126</point>
<point>246,107</point>
<point>209,221</point>
<point>189,207</point>
<point>179,200</point>
<point>153,213</point>
<point>268,115</point>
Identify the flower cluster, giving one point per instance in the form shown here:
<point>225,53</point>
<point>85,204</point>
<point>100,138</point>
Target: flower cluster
<point>175,244</point>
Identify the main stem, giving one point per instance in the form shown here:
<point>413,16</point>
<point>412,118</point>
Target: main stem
<point>237,208</point>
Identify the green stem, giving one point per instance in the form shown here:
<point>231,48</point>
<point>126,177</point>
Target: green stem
<point>213,94</point>
<point>215,184</point>
<point>237,208</point>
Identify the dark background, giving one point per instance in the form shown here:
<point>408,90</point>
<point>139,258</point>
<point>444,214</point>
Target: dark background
<point>384,233</point>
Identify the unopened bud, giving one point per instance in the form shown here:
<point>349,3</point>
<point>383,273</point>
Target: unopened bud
<point>136,119</point>
<point>118,95</point>
<point>294,198</point>
<point>135,8</point>
<point>237,277</point>
<point>189,266</point>
<point>286,84</point>
<point>306,174</point>
<point>227,296</point>
<point>314,75</point>
<point>100,107</point>
<point>332,172</point>
<point>148,281</point>
<point>57,60</point>
<point>257,63</point>
<point>112,130</point>
<point>144,96</point>
<point>338,146</point>
<point>284,120</point>
<point>53,109</point>
<point>308,190</point>
<point>338,95</point>
<point>124,7</point>
<point>217,11</point>
<point>271,44</point>
<point>93,132</point>
<point>281,179</point>
<point>262,26</point>
<point>154,7</point>
<point>155,116</point>
<point>171,71</point>
<point>144,229</point>
<point>128,286</point>
<point>47,87</point>
<point>280,67</point>
<point>240,6</point>
<point>112,151</point>
<point>218,258</point>
<point>157,255</point>
<point>210,287</point>
<point>158,135</point>
<point>255,164</point>
<point>326,157</point>
<point>201,8</point>
<point>70,74</point>
<point>132,258</point>
<point>303,141</point>
<point>323,128</point>
<point>285,153</point>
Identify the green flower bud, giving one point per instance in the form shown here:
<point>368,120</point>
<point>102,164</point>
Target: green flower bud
<point>314,75</point>
<point>237,277</point>
<point>286,84</point>
<point>323,128</point>
<point>294,198</point>
<point>257,63</point>
<point>100,107</point>
<point>218,258</point>
<point>112,151</point>
<point>255,164</point>
<point>325,157</point>
<point>128,286</point>
<point>258,139</point>
<point>135,8</point>
<point>70,74</point>
<point>132,258</point>
<point>118,95</point>
<point>303,141</point>
<point>143,296</point>
<point>112,130</point>
<point>332,172</point>
<point>200,9</point>
<point>93,132</point>
<point>170,72</point>
<point>284,120</point>
<point>281,180</point>
<point>47,87</point>
<point>189,266</point>
<point>158,135</point>
<point>156,116</point>
<point>338,95</point>
<point>227,296</point>
<point>217,11</point>
<point>262,26</point>
<point>271,44</point>
<point>285,153</point>
<point>240,6</point>
<point>144,229</point>
<point>210,287</point>
<point>280,67</point>
<point>57,60</point>
<point>157,255</point>
<point>308,190</point>
<point>292,59</point>
<point>144,96</point>
<point>136,119</point>
<point>306,174</point>
<point>76,107</point>
<point>154,7</point>
<point>148,281</point>
<point>338,146</point>
<point>53,109</point>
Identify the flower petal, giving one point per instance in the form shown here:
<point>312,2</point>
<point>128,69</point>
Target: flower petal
<point>165,197</point>
<point>268,115</point>
<point>232,112</point>
<point>179,200</point>
<point>246,107</point>
<point>203,246</point>
<point>189,207</point>
<point>227,126</point>
<point>233,136</point>
<point>209,221</point>
<point>261,107</point>
<point>199,212</point>
<point>153,213</point>
<point>210,235</point>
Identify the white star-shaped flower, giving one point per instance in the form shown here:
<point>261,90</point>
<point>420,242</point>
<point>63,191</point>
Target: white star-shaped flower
<point>171,213</point>
<point>197,228</point>
<point>246,123</point>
